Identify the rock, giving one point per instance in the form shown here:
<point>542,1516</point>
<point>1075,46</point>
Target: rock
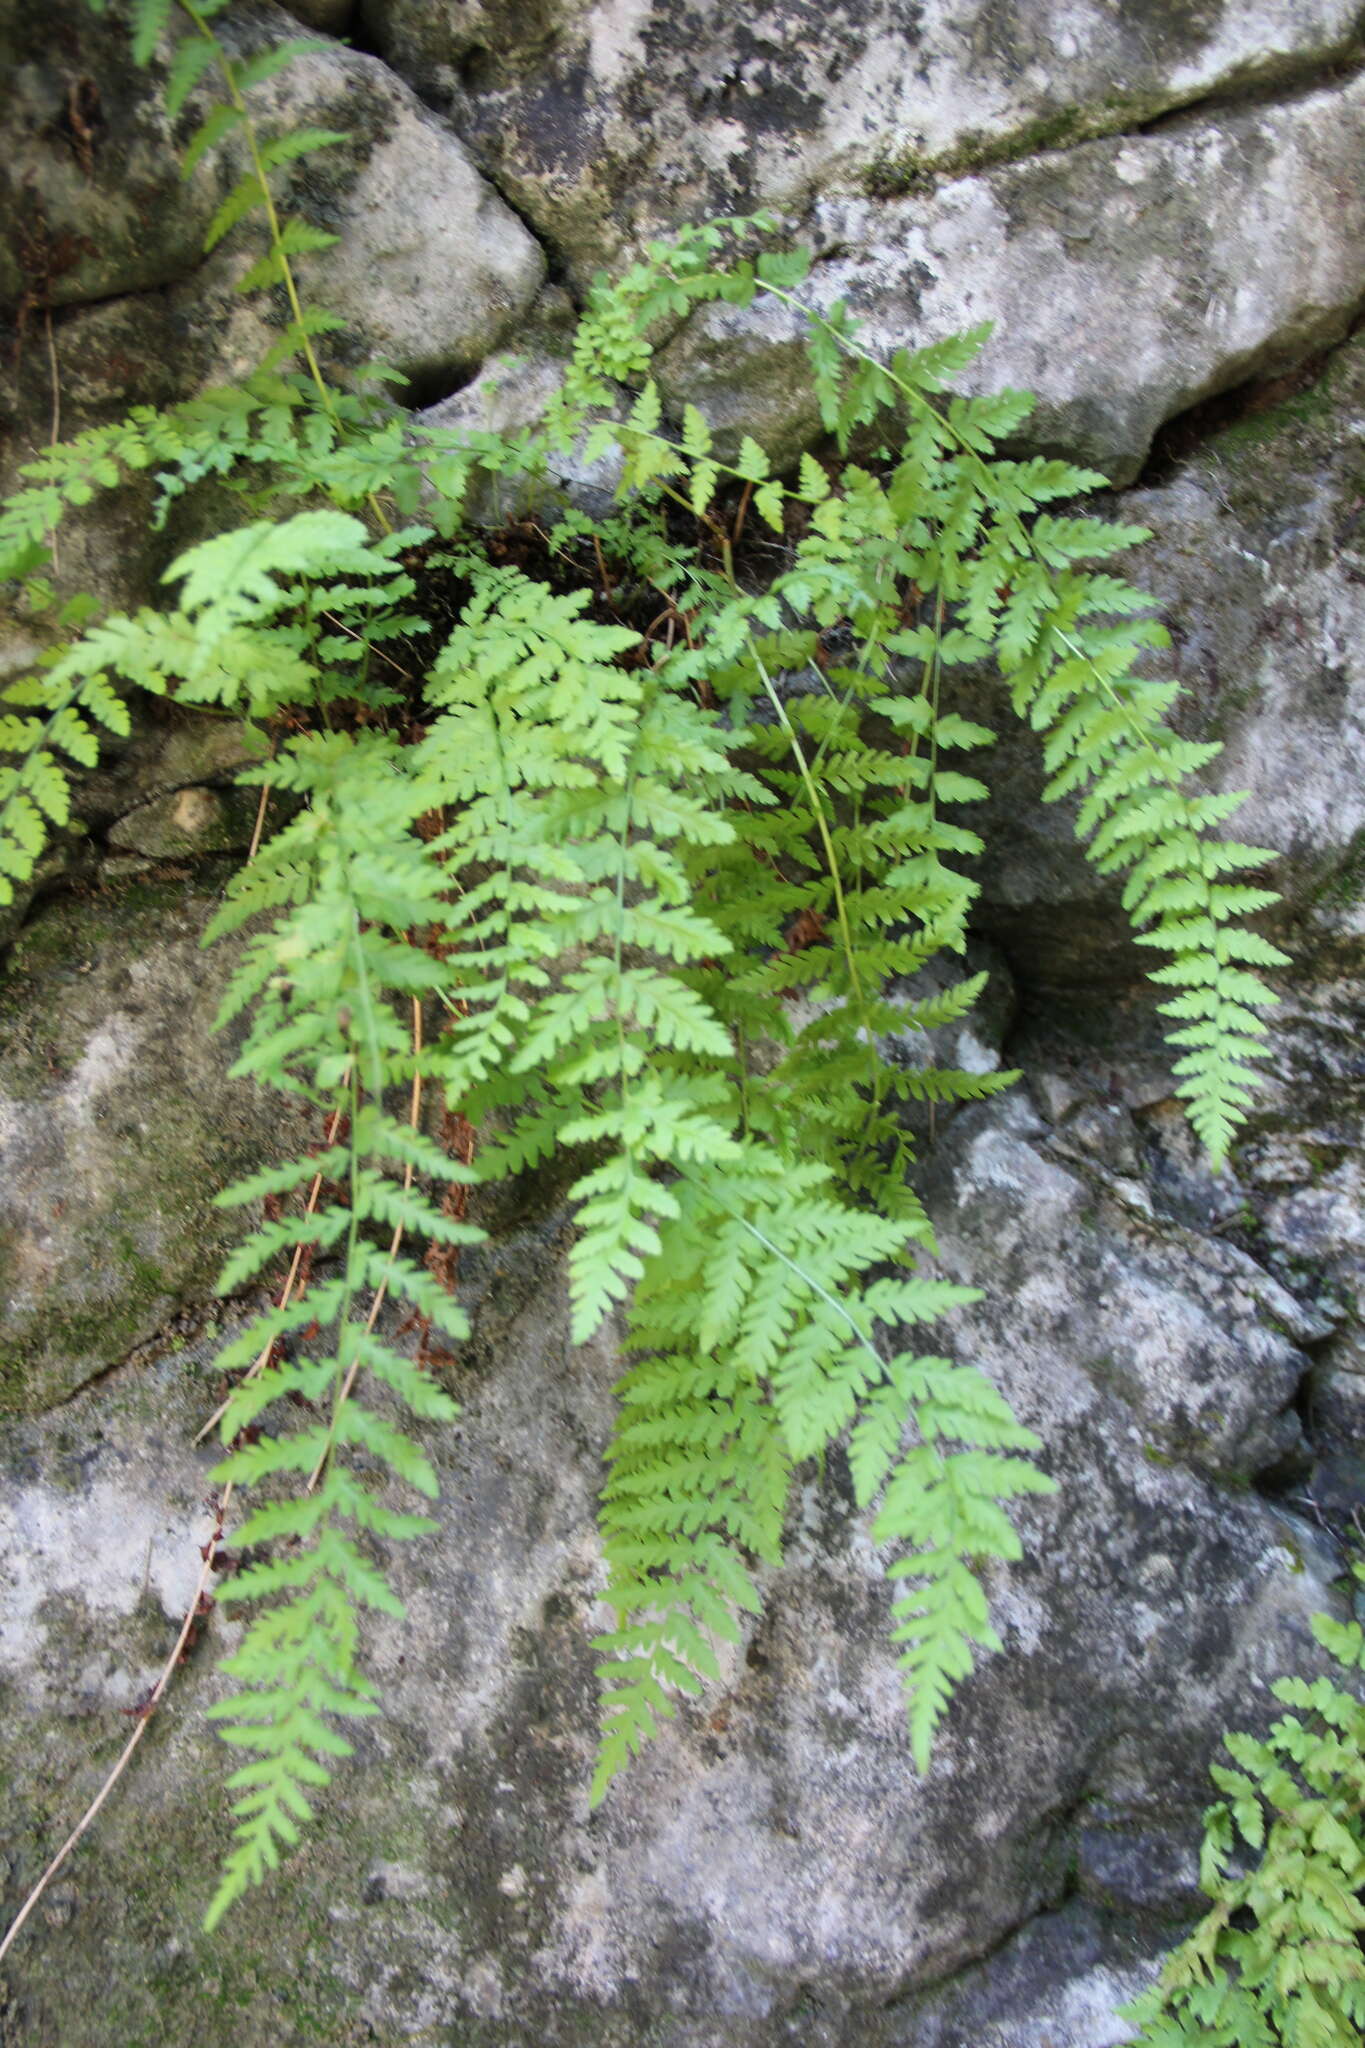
<point>1258,561</point>
<point>192,822</point>
<point>432,269</point>
<point>606,125</point>
<point>330,17</point>
<point>1188,1331</point>
<point>1336,1399</point>
<point>91,177</point>
<point>117,1128</point>
<point>772,1871</point>
<point>1127,279</point>
<point>1056,1984</point>
<point>95,364</point>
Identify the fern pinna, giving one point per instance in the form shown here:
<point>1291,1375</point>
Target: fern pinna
<point>635,862</point>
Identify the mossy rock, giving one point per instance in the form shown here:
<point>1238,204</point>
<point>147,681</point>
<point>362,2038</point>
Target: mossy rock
<point>118,1125</point>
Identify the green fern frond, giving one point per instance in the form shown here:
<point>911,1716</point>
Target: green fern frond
<point>665,888</point>
<point>1277,1959</point>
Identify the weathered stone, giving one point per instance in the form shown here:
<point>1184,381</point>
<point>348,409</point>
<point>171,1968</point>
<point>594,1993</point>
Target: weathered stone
<point>117,1128</point>
<point>332,17</point>
<point>432,268</point>
<point>607,123</point>
<point>1057,1984</point>
<point>90,186</point>
<point>192,822</point>
<point>772,1874</point>
<point>772,1871</point>
<point>430,271</point>
<point>1336,1394</point>
<point>1126,279</point>
<point>1187,1329</point>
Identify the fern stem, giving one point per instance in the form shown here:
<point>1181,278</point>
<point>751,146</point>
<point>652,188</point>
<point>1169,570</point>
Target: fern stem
<point>238,100</point>
<point>414,1120</point>
<point>807,1279</point>
<point>343,1386</point>
<point>821,823</point>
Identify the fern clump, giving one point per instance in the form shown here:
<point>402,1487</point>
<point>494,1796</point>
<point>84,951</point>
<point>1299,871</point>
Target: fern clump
<point>626,853</point>
<point>1277,1962</point>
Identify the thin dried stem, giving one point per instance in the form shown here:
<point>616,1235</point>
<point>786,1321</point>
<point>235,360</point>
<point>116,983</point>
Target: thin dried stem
<point>259,827</point>
<point>145,1713</point>
<point>56,433</point>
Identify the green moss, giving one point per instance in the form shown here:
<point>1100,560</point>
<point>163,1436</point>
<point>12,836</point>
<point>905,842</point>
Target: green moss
<point>1271,457</point>
<point>110,1290</point>
<point>1344,887</point>
<point>113,1226</point>
<point>901,173</point>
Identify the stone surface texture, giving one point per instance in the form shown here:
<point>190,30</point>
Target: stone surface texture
<point>1126,279</point>
<point>1157,204</point>
<point>609,119</point>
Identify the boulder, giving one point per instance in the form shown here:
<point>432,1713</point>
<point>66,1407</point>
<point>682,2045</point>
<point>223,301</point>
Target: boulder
<point>431,269</point>
<point>90,185</point>
<point>118,1126</point>
<point>772,1870</point>
<point>605,124</point>
<point>1126,280</point>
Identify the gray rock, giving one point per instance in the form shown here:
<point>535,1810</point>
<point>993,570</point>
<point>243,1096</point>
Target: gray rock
<point>90,186</point>
<point>192,822</point>
<point>432,269</point>
<point>1187,1331</point>
<point>331,17</point>
<point>605,123</point>
<point>117,1127</point>
<point>1056,1984</point>
<point>1127,279</point>
<point>772,1871</point>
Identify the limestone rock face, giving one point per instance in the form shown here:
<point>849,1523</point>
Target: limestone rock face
<point>117,1127</point>
<point>772,1871</point>
<point>1156,203</point>
<point>1126,279</point>
<point>605,121</point>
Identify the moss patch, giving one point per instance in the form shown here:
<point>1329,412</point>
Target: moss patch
<point>901,173</point>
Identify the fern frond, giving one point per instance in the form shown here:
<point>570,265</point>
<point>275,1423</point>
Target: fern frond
<point>1277,1959</point>
<point>324,1021</point>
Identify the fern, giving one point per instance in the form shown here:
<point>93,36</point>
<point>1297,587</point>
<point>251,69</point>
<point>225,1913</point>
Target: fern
<point>329,1032</point>
<point>663,848</point>
<point>1277,1959</point>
